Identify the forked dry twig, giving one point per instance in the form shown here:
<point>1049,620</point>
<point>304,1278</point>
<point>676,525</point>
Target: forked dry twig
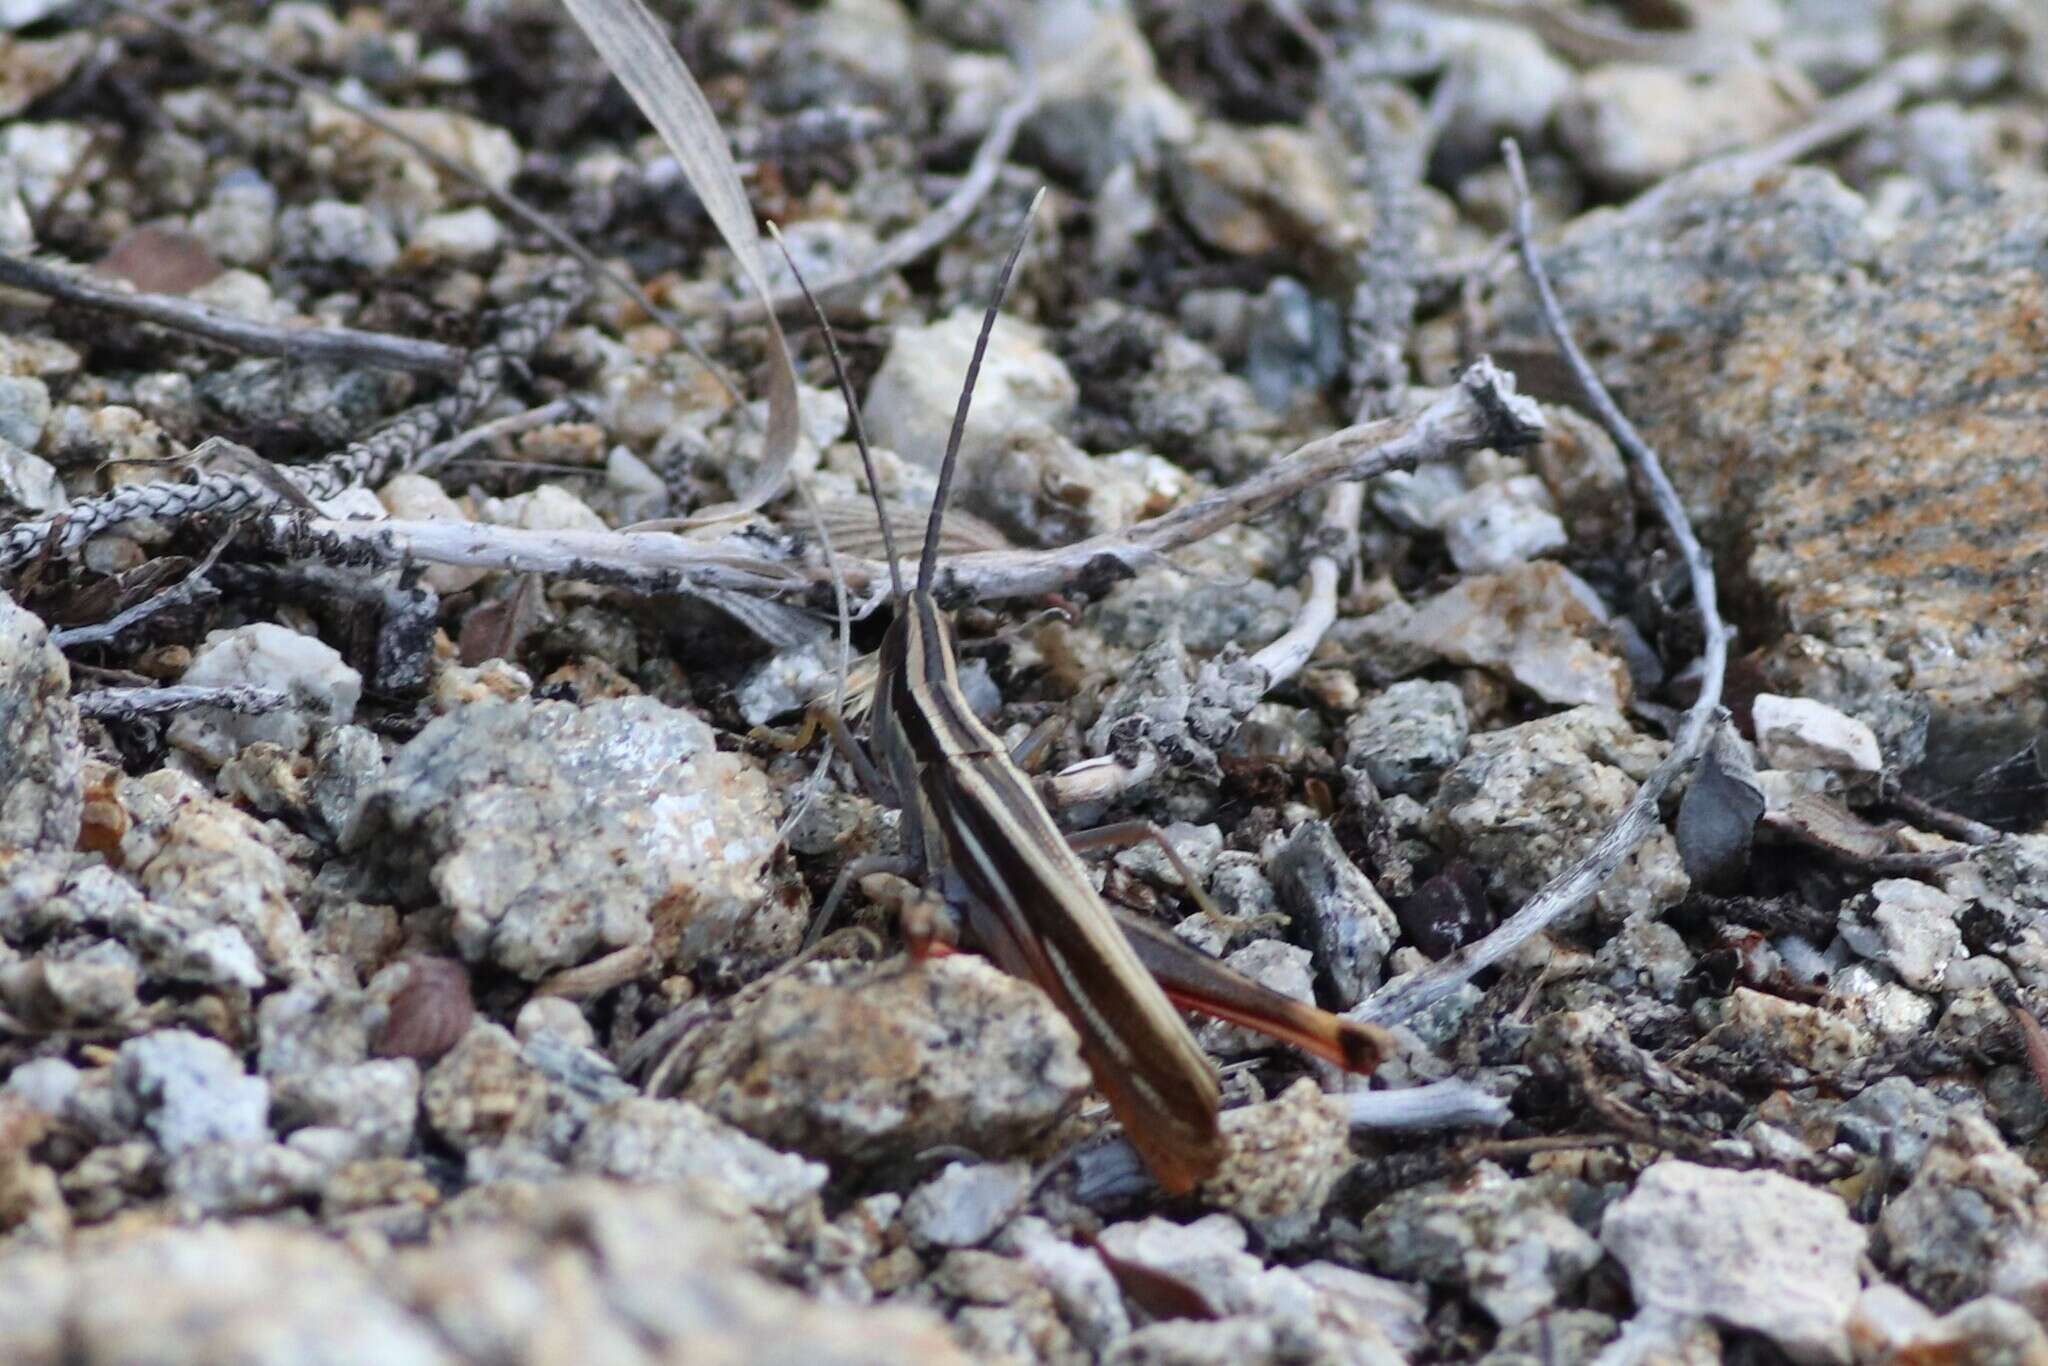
<point>522,330</point>
<point>1418,990</point>
<point>1482,410</point>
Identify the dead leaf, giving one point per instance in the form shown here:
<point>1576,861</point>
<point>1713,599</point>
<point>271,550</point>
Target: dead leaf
<point>160,261</point>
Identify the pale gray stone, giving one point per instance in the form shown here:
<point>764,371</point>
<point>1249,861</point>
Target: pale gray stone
<point>1798,733</point>
<point>1754,1250</point>
<point>188,1091</point>
<point>910,404</point>
<point>555,833</point>
<point>967,1203</point>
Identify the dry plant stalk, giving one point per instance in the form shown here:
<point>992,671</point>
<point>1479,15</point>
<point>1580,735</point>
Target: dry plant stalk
<point>333,345</point>
<point>1570,888</point>
<point>1481,410</point>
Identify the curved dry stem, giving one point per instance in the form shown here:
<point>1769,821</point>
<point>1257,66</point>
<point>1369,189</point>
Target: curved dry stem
<point>928,234</point>
<point>1419,990</point>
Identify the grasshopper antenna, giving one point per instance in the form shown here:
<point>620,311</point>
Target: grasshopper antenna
<point>928,561</point>
<point>860,433</point>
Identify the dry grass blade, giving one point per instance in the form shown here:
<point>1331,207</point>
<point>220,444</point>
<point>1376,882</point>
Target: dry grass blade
<point>857,530</point>
<point>639,53</point>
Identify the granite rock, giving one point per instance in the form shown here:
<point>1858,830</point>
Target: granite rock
<point>1528,800</point>
<point>42,786</point>
<point>557,833</point>
<point>867,1065</point>
<point>1753,1250</point>
<point>639,1139</point>
<point>1510,1245</point>
<point>323,689</point>
<point>190,1091</point>
<point>909,407</point>
<point>1634,125</point>
<point>1849,417</point>
<point>1536,623</point>
<point>1407,735</point>
<point>1973,1222</point>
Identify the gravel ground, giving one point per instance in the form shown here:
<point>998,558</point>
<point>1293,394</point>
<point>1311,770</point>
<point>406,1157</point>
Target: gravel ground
<point>425,987</point>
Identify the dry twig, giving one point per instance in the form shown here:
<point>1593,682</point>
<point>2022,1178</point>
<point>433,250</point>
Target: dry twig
<point>929,232</point>
<point>1829,123</point>
<point>1568,889</point>
<point>1286,656</point>
<point>1482,410</point>
<point>455,448</point>
<point>99,633</point>
<point>1438,1105</point>
<point>522,331</point>
<point>1951,823</point>
<point>333,345</point>
<point>134,704</point>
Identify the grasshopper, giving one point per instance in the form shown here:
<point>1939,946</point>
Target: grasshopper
<point>992,859</point>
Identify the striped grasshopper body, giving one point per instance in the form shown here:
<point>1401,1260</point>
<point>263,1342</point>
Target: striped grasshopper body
<point>990,849</point>
<point>982,840</point>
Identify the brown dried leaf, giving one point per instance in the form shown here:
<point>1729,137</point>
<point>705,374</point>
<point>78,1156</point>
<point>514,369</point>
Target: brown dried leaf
<point>160,261</point>
<point>496,630</point>
<point>1159,1294</point>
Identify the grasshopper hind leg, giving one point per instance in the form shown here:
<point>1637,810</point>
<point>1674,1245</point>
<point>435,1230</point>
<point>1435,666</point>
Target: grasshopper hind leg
<point>1195,981</point>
